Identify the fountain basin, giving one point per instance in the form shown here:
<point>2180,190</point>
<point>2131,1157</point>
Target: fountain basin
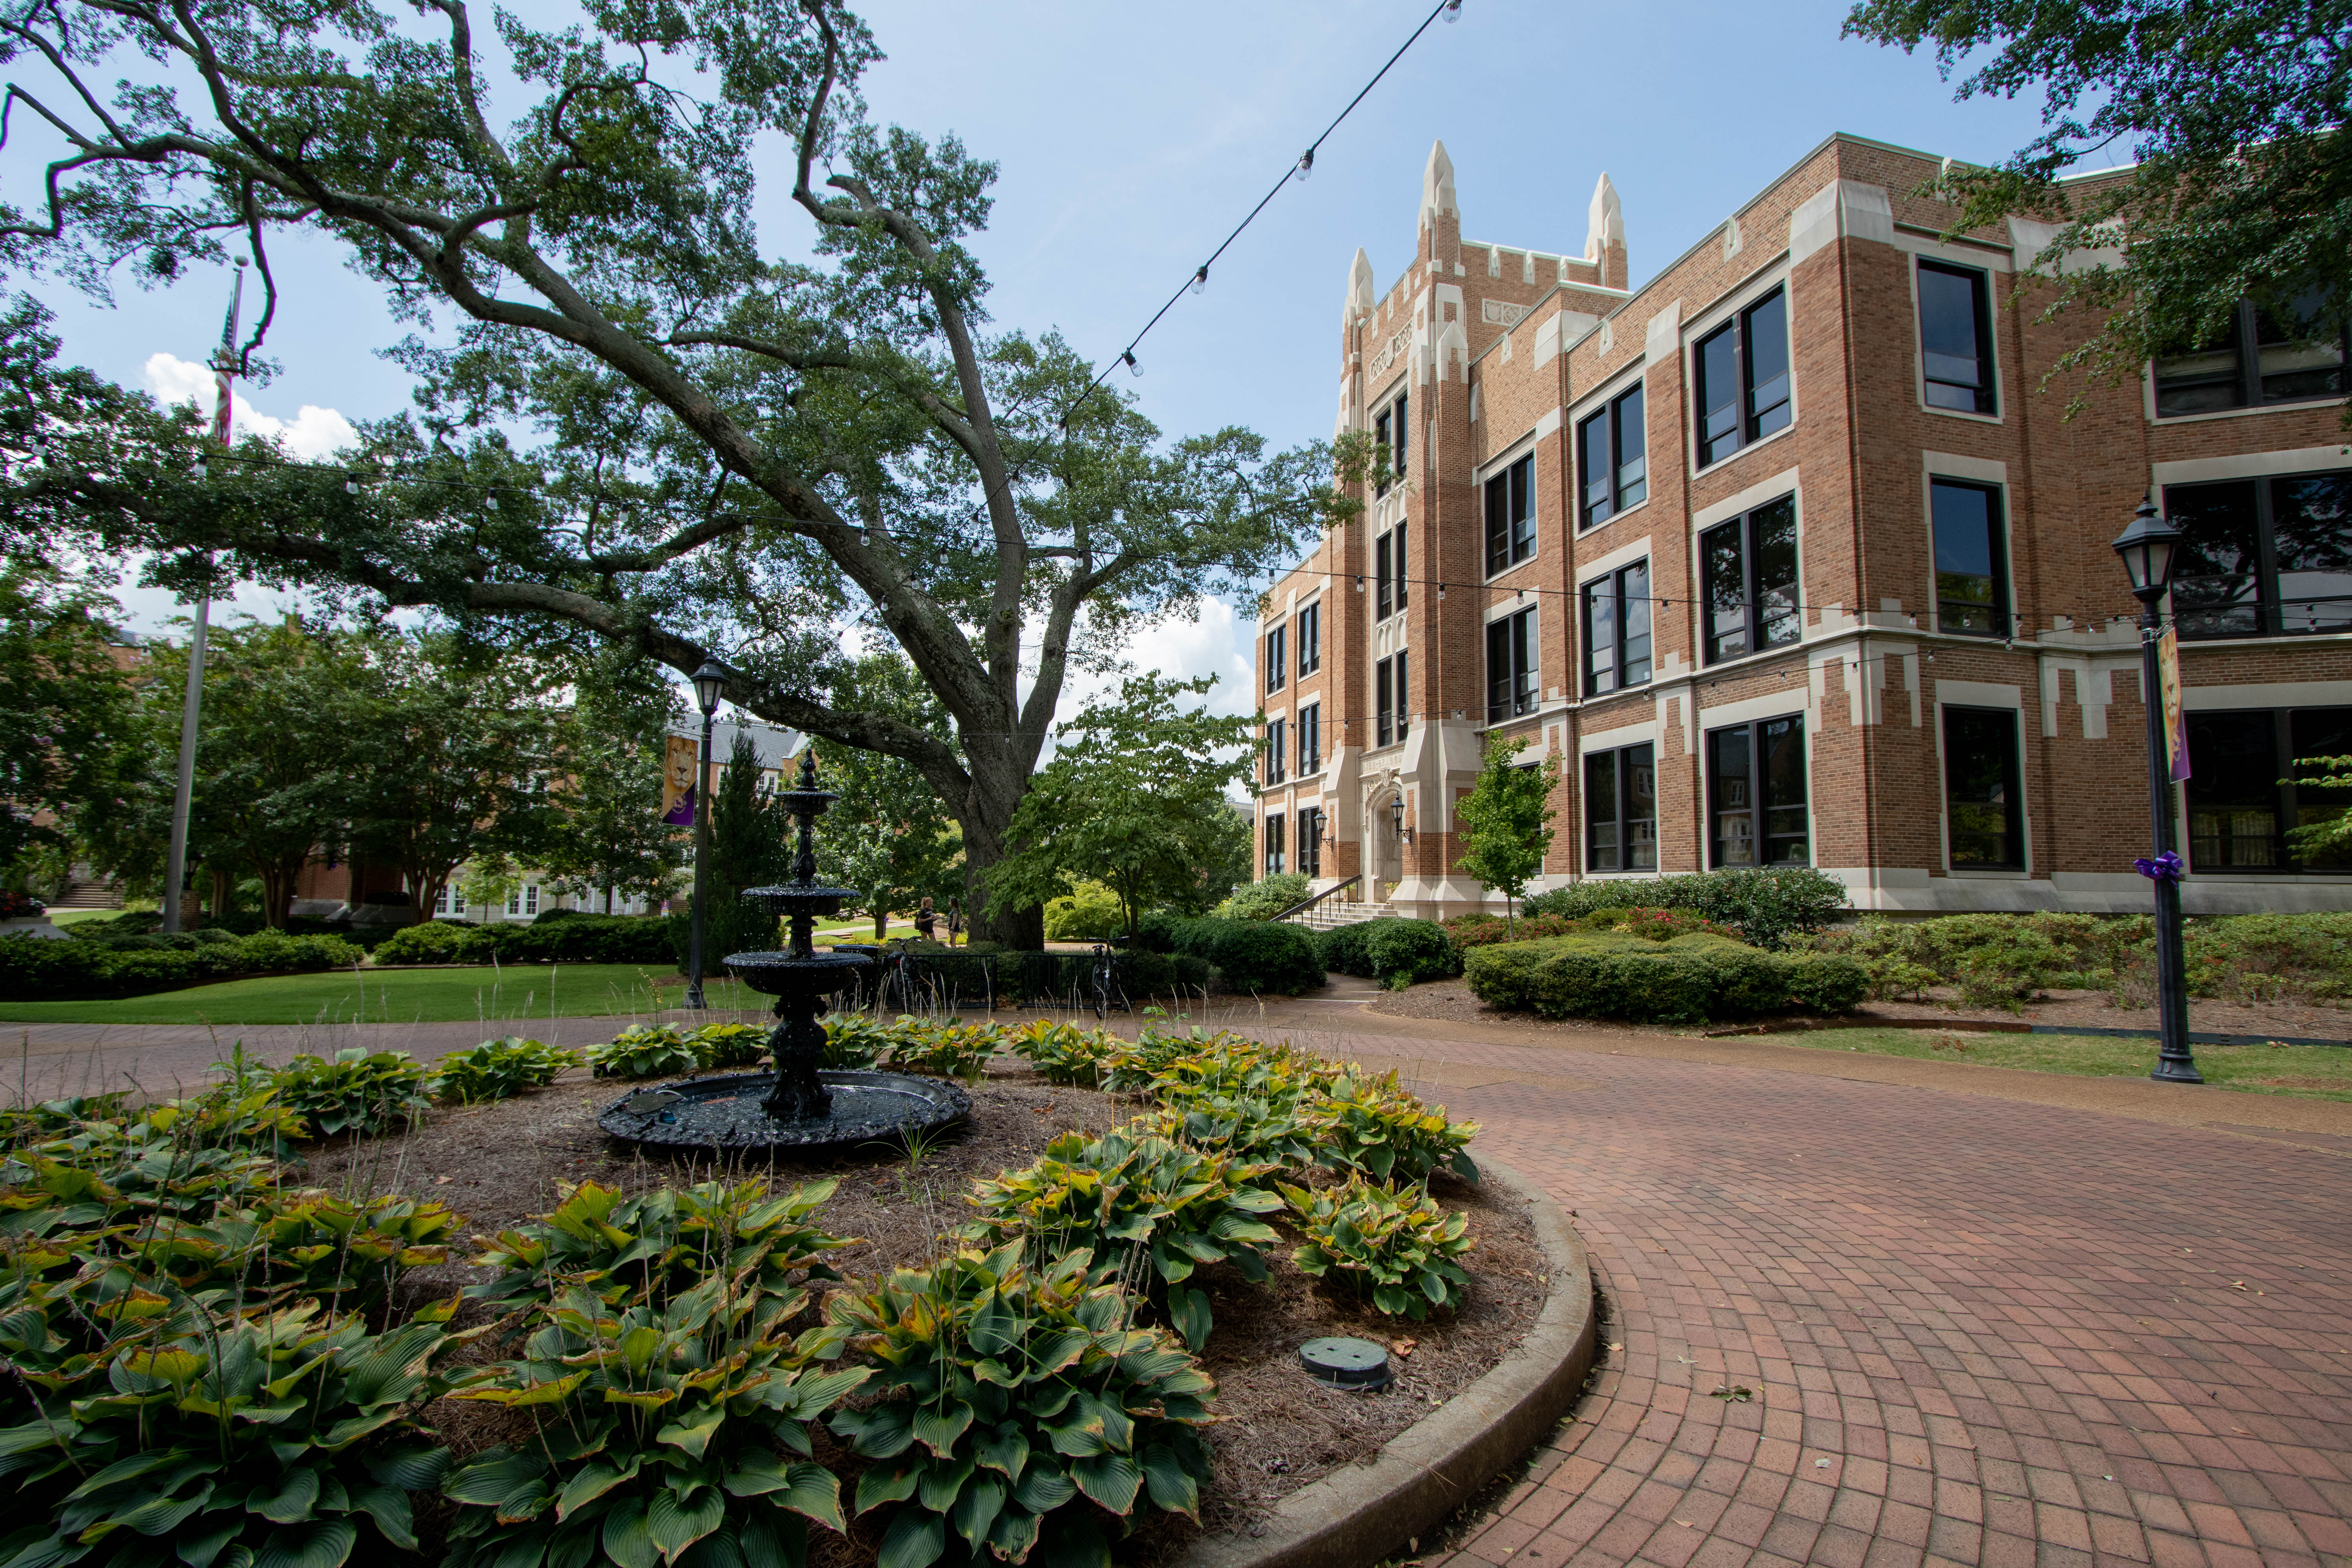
<point>727,1112</point>
<point>782,975</point>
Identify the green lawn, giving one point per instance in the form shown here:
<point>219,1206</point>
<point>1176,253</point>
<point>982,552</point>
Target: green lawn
<point>2313,1072</point>
<point>517,993</point>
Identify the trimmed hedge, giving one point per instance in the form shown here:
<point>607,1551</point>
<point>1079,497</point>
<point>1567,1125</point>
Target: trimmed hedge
<point>1766,904</point>
<point>46,969</point>
<point>559,936</point>
<point>1689,980</point>
<point>1254,956</point>
<point>969,976</point>
<point>1391,948</point>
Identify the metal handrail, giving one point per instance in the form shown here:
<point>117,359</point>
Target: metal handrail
<point>1305,904</point>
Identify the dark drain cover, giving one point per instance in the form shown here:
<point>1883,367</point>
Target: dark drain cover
<point>1346,1363</point>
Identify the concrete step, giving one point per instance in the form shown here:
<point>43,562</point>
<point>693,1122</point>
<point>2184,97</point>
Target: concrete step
<point>1334,913</point>
<point>82,895</point>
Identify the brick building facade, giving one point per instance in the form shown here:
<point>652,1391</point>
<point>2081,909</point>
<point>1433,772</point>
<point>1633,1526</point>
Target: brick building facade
<point>1787,559</point>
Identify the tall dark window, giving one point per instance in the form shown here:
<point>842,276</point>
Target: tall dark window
<point>2262,557</point>
<point>1756,795</point>
<point>1982,800</point>
<point>1749,566</point>
<point>1389,698</point>
<point>1511,672</point>
<point>1274,845</point>
<point>1310,841</point>
<point>1402,432</point>
<point>1310,739</point>
<point>2284,355</point>
<point>1743,379</point>
<point>1389,573</point>
<point>1310,640</point>
<point>1276,671</point>
<point>2238,811</point>
<point>1278,740</point>
<point>1971,575</point>
<point>1611,455</point>
<point>1956,337</point>
<point>1621,810</point>
<point>1511,515</point>
<point>1617,629</point>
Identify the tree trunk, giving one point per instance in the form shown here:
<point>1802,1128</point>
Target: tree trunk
<point>881,921</point>
<point>223,896</point>
<point>985,815</point>
<point>277,880</point>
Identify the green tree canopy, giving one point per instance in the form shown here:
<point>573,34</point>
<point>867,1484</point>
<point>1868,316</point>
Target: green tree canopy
<point>738,453</point>
<point>889,836</point>
<point>2234,111</point>
<point>67,713</point>
<point>606,835</point>
<point>1505,822</point>
<point>1134,799</point>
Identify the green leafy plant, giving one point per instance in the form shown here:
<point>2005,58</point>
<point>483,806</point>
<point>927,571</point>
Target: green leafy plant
<point>1687,979</point>
<point>281,1438</point>
<point>1133,1068</point>
<point>348,1254</point>
<point>1364,1121</point>
<point>1393,1246</point>
<point>942,1050</point>
<point>657,1245</point>
<point>1134,1191</point>
<point>1014,1388</point>
<point>659,1427</point>
<point>497,1069</point>
<point>1065,1054</point>
<point>359,1091</point>
<point>729,1047</point>
<point>853,1040</point>
<point>643,1051</point>
<point>1766,904</point>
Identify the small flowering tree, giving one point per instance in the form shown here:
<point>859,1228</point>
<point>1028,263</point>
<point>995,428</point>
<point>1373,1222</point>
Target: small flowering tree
<point>1506,821</point>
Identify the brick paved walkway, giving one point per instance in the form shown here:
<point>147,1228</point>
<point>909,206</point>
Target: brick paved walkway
<point>1973,1330</point>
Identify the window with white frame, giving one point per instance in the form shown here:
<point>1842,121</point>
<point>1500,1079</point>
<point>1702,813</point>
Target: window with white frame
<point>1743,379</point>
<point>1512,673</point>
<point>524,902</point>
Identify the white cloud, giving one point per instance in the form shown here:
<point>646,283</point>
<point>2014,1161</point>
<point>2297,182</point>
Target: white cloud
<point>313,433</point>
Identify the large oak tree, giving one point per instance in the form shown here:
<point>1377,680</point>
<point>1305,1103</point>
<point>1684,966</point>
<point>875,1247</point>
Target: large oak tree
<point>731,454</point>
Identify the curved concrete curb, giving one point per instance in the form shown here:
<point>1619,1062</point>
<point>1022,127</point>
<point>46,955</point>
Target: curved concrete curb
<point>1359,1515</point>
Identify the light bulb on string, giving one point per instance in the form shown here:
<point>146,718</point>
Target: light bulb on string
<point>1200,279</point>
<point>1306,164</point>
<point>350,486</point>
<point>1127,358</point>
<point>1454,10</point>
<point>202,471</point>
<point>491,503</point>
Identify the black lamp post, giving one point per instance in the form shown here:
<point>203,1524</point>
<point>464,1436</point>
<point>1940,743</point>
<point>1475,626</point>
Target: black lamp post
<point>2146,550</point>
<point>710,684</point>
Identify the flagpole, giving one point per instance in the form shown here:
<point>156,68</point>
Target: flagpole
<point>175,872</point>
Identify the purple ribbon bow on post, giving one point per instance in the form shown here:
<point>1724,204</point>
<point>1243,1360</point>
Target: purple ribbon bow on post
<point>2165,868</point>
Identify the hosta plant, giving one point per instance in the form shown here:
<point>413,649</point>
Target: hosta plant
<point>1131,1194</point>
<point>1396,1248</point>
<point>658,1428</point>
<point>1064,1053</point>
<point>497,1069</point>
<point>1366,1122</point>
<point>660,1244</point>
<point>281,1438</point>
<point>1134,1069</point>
<point>645,1050</point>
<point>853,1040</point>
<point>942,1050</point>
<point>729,1048</point>
<point>359,1091</point>
<point>348,1254</point>
<point>1013,1390</point>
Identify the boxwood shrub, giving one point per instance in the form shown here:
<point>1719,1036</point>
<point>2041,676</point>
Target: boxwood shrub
<point>1253,955</point>
<point>1765,903</point>
<point>44,969</point>
<point>1688,979</point>
<point>1398,951</point>
<point>559,936</point>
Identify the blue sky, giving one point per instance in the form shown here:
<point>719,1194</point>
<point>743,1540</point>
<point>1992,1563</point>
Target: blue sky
<point>1131,138</point>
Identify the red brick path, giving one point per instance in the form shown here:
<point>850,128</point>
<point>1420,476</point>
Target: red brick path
<point>1975,1330</point>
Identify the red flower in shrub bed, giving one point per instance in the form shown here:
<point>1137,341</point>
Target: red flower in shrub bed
<point>20,906</point>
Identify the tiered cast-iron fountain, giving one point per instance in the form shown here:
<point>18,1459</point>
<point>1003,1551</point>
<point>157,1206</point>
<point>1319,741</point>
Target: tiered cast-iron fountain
<point>797,1106</point>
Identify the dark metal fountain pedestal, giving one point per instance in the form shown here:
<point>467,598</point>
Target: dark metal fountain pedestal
<point>799,1105</point>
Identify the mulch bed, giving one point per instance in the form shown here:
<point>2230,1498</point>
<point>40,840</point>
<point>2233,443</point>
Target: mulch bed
<point>497,1164</point>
